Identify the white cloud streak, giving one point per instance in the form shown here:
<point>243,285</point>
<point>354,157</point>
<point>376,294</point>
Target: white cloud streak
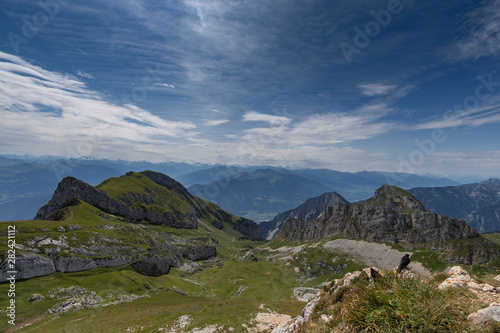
<point>215,122</point>
<point>166,85</point>
<point>482,37</point>
<point>51,109</point>
<point>376,89</point>
<point>271,119</point>
<point>85,75</point>
<point>323,129</point>
<point>474,117</point>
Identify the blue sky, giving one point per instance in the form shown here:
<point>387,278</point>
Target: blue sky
<point>410,86</point>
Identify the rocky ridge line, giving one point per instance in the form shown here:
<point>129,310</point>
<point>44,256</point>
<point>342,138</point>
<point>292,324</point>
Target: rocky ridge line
<point>309,210</point>
<point>394,216</point>
<point>70,190</point>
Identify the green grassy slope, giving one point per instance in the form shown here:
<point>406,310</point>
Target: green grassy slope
<point>164,200</point>
<point>494,237</point>
<point>211,296</point>
<point>211,300</point>
<point>135,183</point>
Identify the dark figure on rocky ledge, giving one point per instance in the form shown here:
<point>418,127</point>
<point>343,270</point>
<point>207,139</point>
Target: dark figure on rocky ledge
<point>405,261</point>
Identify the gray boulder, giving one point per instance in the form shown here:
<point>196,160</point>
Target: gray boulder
<point>28,265</point>
<point>484,316</point>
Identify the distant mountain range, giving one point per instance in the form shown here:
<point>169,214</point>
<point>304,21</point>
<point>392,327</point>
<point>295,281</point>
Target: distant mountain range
<point>478,204</point>
<point>263,193</point>
<point>258,193</point>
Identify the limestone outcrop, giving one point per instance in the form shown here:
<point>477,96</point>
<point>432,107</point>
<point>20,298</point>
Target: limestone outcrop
<point>395,216</point>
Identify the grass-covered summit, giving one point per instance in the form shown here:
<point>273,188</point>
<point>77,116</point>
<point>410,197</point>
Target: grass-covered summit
<point>147,196</point>
<point>146,220</point>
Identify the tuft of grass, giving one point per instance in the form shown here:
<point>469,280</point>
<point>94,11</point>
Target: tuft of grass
<point>396,304</point>
<point>438,278</point>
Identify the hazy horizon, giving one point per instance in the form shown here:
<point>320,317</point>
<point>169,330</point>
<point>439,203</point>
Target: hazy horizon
<point>460,178</point>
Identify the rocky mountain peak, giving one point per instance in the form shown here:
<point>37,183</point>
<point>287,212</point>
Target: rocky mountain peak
<point>309,210</point>
<point>397,197</point>
<point>71,191</point>
<point>395,216</point>
<point>147,196</point>
<point>68,192</point>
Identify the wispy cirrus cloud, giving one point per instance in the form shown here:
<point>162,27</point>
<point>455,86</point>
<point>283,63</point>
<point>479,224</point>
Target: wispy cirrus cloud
<point>215,122</point>
<point>52,109</point>
<point>84,75</point>
<point>474,117</point>
<point>166,85</point>
<point>268,118</point>
<point>481,35</point>
<point>322,129</point>
<point>376,89</point>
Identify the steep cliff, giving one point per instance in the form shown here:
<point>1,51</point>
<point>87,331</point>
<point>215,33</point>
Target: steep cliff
<point>309,210</point>
<point>89,238</point>
<point>248,228</point>
<point>395,216</point>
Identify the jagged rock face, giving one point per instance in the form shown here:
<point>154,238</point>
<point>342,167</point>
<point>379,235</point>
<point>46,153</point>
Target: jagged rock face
<point>28,265</point>
<point>390,216</point>
<point>70,190</point>
<point>393,216</point>
<point>248,228</point>
<point>164,254</point>
<point>311,209</point>
<point>199,252</point>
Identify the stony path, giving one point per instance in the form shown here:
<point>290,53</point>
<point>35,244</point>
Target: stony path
<point>373,254</point>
